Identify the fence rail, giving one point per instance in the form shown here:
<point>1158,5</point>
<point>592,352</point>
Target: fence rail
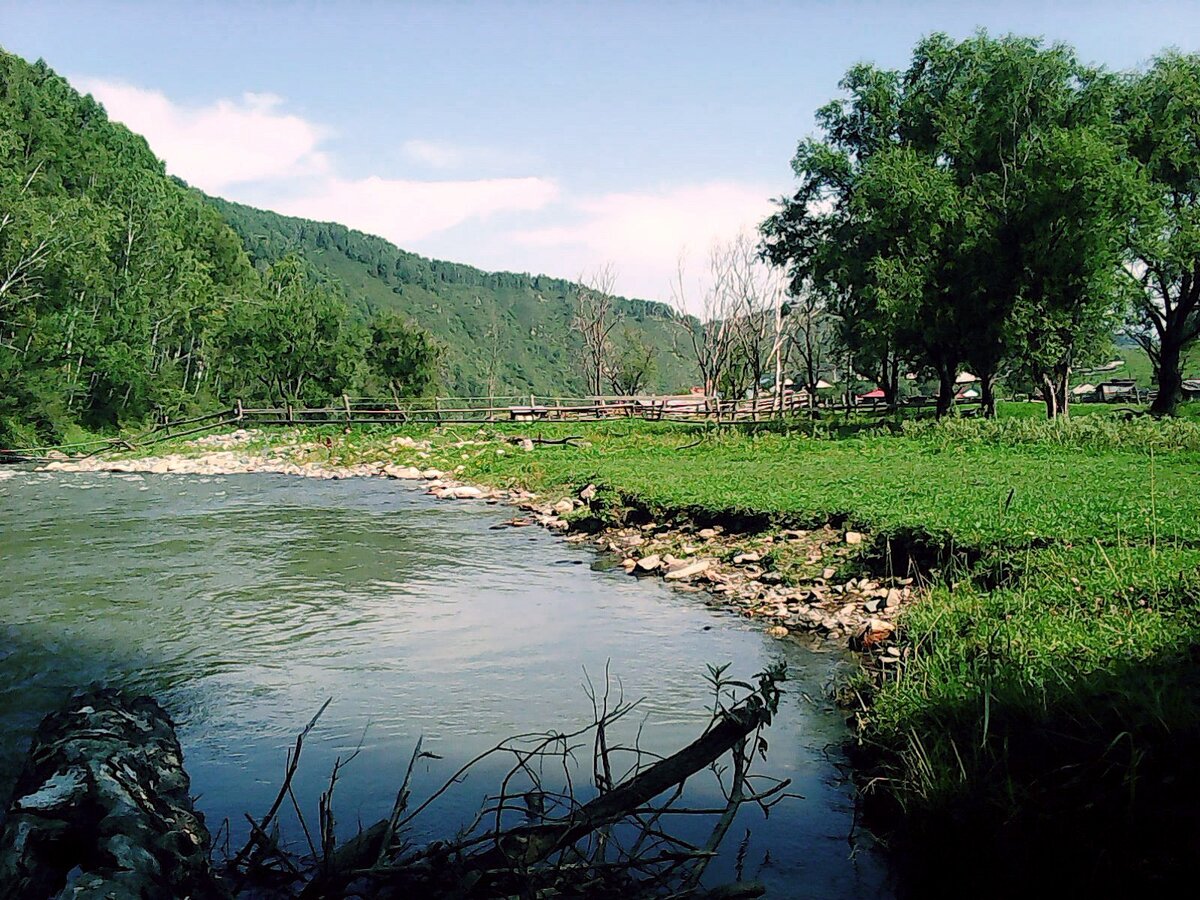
<point>479,410</point>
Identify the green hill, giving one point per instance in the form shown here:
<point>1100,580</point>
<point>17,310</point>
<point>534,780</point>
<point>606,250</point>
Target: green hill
<point>115,279</point>
<point>125,294</point>
<point>503,332</point>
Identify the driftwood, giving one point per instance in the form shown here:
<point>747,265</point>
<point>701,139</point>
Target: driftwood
<point>538,440</point>
<point>103,798</point>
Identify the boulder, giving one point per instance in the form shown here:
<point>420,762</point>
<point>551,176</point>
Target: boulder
<point>648,564</point>
<point>853,538</point>
<point>403,472</point>
<point>875,631</point>
<point>685,570</point>
<point>564,506</point>
<point>778,631</point>
<point>588,493</point>
<point>749,557</point>
<point>461,492</point>
<point>103,800</point>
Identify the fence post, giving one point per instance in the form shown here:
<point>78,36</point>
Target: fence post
<point>346,406</point>
<point>239,411</point>
<point>437,408</point>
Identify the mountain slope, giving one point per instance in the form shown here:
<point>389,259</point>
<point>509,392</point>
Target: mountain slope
<point>113,278</point>
<point>503,332</point>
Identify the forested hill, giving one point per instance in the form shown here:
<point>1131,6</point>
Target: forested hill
<point>502,331</point>
<point>112,277</point>
<point>126,295</point>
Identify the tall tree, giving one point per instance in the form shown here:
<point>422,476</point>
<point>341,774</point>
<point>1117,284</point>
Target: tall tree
<point>634,363</point>
<point>402,356</point>
<point>1161,122</point>
<point>947,205</point>
<point>595,318</point>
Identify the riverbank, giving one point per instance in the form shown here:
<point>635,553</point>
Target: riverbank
<point>792,581</point>
<point>1035,707</point>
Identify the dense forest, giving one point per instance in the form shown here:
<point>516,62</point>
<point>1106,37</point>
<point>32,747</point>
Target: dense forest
<point>126,295</point>
<point>501,331</point>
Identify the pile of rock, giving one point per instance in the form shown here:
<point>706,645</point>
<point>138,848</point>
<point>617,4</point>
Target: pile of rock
<point>103,803</point>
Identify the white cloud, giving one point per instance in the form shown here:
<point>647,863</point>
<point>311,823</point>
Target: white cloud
<point>253,149</point>
<point>404,211</point>
<point>644,233</point>
<point>446,155</point>
<point>436,154</point>
<point>220,144</point>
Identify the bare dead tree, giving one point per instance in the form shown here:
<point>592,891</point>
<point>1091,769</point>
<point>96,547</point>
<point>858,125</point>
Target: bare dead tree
<point>756,297</point>
<point>810,333</point>
<point>711,330</point>
<point>595,318</point>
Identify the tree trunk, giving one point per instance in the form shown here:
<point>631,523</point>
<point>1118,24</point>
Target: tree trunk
<point>945,399</point>
<point>1057,387</point>
<point>1170,380</point>
<point>987,390</point>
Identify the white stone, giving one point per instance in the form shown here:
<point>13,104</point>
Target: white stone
<point>688,570</point>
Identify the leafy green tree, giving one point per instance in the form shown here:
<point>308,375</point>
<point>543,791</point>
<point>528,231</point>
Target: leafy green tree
<point>293,342</point>
<point>1162,126</point>
<point>634,363</point>
<point>402,356</point>
<point>965,211</point>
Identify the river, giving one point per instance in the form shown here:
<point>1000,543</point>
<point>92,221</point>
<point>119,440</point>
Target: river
<point>242,602</point>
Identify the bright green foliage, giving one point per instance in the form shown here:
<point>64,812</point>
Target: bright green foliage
<point>1163,130</point>
<point>114,278</point>
<point>293,342</point>
<point>404,359</point>
<point>971,210</point>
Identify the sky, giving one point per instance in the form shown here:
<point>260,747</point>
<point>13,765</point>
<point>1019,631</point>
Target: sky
<point>550,137</point>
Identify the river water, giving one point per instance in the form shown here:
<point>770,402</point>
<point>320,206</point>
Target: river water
<point>243,602</point>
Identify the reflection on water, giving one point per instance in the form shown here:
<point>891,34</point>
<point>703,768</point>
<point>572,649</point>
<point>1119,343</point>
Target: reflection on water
<point>243,602</point>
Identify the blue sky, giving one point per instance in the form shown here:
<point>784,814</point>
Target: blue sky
<point>542,137</point>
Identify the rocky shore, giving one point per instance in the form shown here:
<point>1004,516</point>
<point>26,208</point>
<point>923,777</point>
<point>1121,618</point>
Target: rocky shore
<point>825,594</point>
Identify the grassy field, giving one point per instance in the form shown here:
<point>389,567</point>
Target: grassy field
<point>1046,710</point>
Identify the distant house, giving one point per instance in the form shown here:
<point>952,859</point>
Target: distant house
<point>1191,389</point>
<point>1117,390</point>
<point>1083,392</point>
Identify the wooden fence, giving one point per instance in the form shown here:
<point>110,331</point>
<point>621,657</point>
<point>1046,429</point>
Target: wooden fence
<point>534,408</point>
<point>472,410</point>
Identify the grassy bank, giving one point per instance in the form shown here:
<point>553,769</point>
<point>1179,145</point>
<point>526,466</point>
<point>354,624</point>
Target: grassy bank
<point>1044,715</point>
